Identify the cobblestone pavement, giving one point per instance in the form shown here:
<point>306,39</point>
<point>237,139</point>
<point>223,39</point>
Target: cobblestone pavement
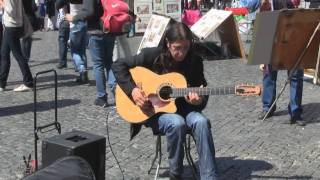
<point>246,148</point>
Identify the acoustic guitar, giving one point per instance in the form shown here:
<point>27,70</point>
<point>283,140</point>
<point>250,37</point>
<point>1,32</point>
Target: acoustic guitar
<point>162,90</point>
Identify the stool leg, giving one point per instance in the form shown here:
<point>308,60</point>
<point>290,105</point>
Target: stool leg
<point>159,161</point>
<point>189,158</point>
<point>158,143</point>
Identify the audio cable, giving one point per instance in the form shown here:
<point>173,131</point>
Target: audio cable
<point>107,127</point>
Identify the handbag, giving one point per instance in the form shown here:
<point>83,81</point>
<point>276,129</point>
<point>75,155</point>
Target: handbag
<point>190,16</point>
<point>27,26</point>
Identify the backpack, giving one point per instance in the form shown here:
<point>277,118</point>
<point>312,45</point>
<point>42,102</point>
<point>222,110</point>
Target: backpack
<point>115,18</point>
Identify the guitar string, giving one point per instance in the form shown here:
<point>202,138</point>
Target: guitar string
<point>204,91</point>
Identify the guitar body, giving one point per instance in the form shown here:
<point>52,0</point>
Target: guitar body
<point>150,83</point>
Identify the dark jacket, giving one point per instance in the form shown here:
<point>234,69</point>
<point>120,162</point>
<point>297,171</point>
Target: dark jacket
<point>282,4</point>
<point>50,10</point>
<point>314,3</point>
<point>191,68</point>
<point>30,8</point>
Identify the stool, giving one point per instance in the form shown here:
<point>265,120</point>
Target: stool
<point>187,149</point>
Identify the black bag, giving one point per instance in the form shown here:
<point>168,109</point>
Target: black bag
<point>30,8</point>
<point>35,22</point>
<point>66,168</point>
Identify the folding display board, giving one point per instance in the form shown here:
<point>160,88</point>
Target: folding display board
<point>226,26</point>
<point>281,36</point>
<point>213,20</point>
<point>154,31</point>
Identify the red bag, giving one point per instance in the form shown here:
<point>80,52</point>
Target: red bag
<point>295,3</point>
<point>238,11</point>
<point>191,13</point>
<point>115,18</point>
<point>190,16</point>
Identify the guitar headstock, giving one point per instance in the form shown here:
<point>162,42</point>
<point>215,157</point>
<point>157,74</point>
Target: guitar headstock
<point>247,90</point>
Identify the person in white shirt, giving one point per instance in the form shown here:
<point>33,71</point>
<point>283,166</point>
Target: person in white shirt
<point>13,30</point>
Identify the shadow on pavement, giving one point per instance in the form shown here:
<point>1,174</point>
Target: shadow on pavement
<point>232,168</point>
<point>229,168</point>
<point>42,79</point>
<point>310,113</point>
<point>281,177</point>
<point>42,106</point>
<point>50,61</point>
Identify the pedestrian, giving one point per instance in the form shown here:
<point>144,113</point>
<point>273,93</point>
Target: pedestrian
<point>174,55</point>
<point>50,12</point>
<point>13,30</point>
<point>41,13</point>
<point>78,34</point>
<point>101,49</point>
<point>270,80</point>
<point>63,37</point>
<point>314,3</point>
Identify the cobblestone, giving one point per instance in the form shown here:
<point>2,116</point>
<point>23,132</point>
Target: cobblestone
<point>246,148</point>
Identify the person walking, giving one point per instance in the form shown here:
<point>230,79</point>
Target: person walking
<point>13,30</point>
<point>78,34</point>
<point>50,12</point>
<point>63,37</point>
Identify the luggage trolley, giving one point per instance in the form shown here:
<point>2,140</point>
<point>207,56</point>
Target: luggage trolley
<point>56,125</point>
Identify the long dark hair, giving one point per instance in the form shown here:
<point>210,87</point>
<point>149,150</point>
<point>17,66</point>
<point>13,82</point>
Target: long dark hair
<point>176,31</point>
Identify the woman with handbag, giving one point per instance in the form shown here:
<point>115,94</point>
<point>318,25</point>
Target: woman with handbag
<point>13,29</point>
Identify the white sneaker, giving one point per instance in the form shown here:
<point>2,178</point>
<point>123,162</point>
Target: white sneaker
<point>1,89</point>
<point>22,88</point>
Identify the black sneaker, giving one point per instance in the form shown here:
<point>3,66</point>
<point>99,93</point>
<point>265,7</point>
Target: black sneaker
<point>83,78</point>
<point>101,101</point>
<point>263,113</point>
<point>174,177</point>
<point>297,120</point>
<point>61,66</point>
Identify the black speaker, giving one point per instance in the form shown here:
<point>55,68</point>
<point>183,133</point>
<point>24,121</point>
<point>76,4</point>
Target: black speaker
<point>90,147</point>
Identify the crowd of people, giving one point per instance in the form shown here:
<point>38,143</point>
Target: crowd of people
<point>79,23</point>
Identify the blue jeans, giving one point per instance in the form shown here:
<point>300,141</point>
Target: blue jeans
<point>174,126</point>
<point>296,87</point>
<point>101,50</point>
<point>78,40</point>
<point>63,38</point>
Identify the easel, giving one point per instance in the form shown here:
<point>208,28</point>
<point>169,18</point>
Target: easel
<point>316,78</point>
<point>295,67</point>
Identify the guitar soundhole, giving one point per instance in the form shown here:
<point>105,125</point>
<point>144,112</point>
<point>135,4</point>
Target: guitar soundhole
<point>165,92</point>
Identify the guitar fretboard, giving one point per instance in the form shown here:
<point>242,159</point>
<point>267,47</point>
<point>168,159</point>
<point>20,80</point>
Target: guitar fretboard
<point>180,92</point>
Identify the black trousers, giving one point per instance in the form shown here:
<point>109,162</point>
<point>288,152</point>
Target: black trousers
<point>26,44</point>
<point>11,42</point>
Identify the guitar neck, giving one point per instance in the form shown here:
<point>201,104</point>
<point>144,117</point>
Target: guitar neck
<point>180,92</point>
